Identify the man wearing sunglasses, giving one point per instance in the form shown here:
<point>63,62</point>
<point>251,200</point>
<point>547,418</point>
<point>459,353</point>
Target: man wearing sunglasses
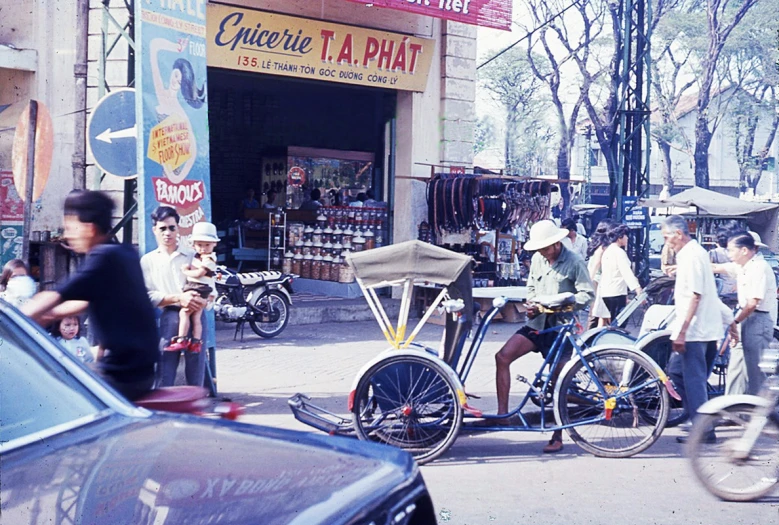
<point>164,282</point>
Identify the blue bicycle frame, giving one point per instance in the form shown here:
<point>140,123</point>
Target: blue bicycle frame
<point>552,361</point>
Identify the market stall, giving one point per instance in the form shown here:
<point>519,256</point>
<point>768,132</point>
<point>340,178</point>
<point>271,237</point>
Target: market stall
<point>713,210</point>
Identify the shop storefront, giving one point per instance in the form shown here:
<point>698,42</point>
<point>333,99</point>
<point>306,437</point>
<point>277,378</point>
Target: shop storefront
<point>301,118</point>
<point>294,123</point>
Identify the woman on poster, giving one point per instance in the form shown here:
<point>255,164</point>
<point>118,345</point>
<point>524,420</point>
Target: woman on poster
<point>180,81</point>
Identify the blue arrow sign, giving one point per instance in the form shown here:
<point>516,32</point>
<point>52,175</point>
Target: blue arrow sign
<point>113,134</point>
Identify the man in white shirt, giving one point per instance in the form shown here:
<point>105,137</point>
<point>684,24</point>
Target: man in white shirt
<point>164,282</point>
<point>575,241</point>
<point>698,323</point>
<point>580,229</point>
<point>756,287</point>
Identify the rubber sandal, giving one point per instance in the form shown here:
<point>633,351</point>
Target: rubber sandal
<point>553,446</point>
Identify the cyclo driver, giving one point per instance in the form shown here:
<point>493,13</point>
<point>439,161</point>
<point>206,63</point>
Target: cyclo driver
<point>553,269</point>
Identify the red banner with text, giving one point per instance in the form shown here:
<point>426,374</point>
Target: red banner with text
<point>486,13</point>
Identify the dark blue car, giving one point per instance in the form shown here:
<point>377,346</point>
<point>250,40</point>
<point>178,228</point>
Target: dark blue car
<point>72,451</point>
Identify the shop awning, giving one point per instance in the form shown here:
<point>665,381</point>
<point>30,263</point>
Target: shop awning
<point>760,216</point>
<point>710,202</point>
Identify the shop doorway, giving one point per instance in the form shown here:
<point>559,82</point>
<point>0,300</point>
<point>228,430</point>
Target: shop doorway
<point>255,119</point>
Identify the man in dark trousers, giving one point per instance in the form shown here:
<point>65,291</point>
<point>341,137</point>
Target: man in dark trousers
<point>109,286</point>
<point>162,272</point>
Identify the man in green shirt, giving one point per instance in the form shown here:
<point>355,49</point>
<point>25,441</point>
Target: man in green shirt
<point>554,269</point>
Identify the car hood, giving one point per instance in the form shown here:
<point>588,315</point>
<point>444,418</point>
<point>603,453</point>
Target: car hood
<point>173,469</point>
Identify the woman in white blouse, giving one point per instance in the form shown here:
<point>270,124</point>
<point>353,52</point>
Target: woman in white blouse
<point>616,273</point>
<point>599,314</point>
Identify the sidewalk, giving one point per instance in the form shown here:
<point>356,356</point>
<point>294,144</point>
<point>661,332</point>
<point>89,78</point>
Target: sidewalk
<point>309,309</point>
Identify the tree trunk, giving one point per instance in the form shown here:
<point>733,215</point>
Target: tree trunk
<point>507,145</point>
<point>701,155</point>
<point>665,158</point>
<point>564,174</point>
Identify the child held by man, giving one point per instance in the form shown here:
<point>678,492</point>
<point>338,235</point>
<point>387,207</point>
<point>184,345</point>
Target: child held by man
<point>201,278</point>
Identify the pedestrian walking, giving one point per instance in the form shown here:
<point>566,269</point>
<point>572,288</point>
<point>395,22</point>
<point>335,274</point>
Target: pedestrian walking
<point>574,241</point>
<point>616,273</point>
<point>109,286</point>
<point>599,313</point>
<point>162,272</point>
<point>719,255</point>
<point>698,322</point>
<point>753,326</point>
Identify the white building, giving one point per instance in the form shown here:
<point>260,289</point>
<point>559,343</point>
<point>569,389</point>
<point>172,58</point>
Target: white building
<point>723,166</point>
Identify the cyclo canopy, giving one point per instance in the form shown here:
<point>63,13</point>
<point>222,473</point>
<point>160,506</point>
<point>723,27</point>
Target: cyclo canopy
<point>416,261</point>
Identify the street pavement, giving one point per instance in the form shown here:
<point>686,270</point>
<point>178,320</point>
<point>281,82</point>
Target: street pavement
<point>486,478</point>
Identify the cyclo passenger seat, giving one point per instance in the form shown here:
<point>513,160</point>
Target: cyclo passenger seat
<point>560,302</point>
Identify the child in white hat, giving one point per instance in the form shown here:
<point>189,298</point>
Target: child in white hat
<point>201,278</point>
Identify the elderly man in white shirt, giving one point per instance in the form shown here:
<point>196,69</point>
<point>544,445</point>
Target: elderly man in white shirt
<point>698,323</point>
<point>756,287</point>
<point>164,282</point>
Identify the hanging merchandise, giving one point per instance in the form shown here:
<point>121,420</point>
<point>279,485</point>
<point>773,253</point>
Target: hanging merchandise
<point>450,203</point>
<point>460,202</point>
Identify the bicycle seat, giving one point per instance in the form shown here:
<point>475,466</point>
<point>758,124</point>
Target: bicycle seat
<point>555,301</point>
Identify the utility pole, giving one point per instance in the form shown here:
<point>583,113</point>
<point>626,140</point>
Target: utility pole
<point>79,159</point>
<point>632,177</point>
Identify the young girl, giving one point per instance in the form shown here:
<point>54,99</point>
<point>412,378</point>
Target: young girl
<point>67,331</point>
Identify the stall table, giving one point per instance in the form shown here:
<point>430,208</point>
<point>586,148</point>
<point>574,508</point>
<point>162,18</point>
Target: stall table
<point>513,312</point>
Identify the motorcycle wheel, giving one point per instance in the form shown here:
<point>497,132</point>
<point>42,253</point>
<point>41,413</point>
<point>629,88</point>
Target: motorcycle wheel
<point>268,302</point>
<point>723,472</point>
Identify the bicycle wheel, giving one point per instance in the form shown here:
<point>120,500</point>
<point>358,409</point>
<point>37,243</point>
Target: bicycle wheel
<point>640,403</point>
<point>271,314</point>
<point>720,468</point>
<point>409,402</point>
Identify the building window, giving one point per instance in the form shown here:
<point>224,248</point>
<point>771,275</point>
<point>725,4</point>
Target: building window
<point>595,157</point>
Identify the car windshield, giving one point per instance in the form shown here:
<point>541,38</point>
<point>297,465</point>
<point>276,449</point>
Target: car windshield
<point>38,394</point>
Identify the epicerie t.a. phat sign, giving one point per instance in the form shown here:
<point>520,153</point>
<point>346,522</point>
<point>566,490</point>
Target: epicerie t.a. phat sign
<point>486,13</point>
<point>276,44</point>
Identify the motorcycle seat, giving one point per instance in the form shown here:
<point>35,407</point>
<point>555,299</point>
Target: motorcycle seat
<point>252,278</point>
<point>181,399</point>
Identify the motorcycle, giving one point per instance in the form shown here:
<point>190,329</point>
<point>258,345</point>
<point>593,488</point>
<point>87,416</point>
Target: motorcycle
<point>261,299</point>
<point>740,462</point>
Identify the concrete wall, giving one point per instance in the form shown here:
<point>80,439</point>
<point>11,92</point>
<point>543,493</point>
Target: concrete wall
<point>46,28</point>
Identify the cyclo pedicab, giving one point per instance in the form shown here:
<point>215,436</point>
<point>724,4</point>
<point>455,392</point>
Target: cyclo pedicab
<point>611,399</point>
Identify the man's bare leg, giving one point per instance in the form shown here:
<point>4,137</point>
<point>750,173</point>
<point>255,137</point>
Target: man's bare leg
<point>517,346</point>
